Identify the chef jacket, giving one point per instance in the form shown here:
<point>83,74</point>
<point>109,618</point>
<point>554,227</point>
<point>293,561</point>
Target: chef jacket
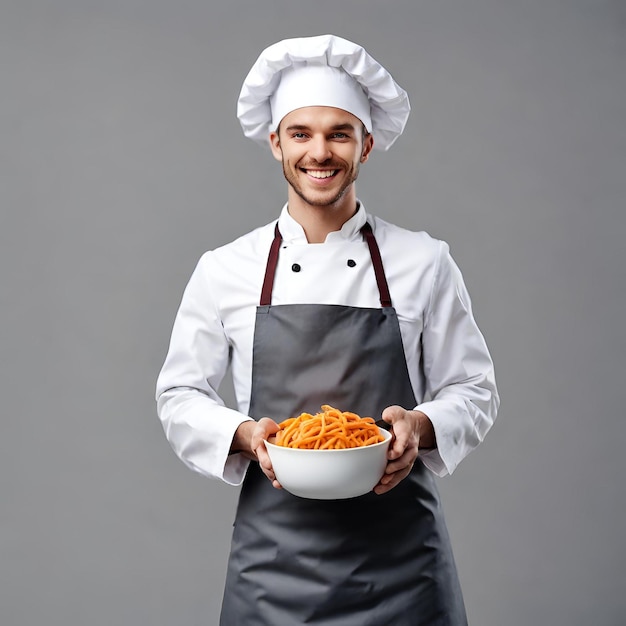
<point>449,365</point>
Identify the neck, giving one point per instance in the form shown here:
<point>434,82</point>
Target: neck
<point>318,221</point>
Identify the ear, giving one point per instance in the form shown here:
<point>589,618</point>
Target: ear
<point>368,144</point>
<point>274,142</point>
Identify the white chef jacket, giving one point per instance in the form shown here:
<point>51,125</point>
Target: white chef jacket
<point>449,365</point>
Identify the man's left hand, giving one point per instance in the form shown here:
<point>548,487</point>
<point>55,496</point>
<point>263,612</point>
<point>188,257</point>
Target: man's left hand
<point>411,430</point>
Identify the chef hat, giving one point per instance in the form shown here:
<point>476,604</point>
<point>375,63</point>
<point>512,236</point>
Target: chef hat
<point>321,71</point>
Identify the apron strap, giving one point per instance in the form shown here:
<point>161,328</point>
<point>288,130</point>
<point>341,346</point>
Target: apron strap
<point>377,262</point>
<point>270,269</point>
<point>379,272</point>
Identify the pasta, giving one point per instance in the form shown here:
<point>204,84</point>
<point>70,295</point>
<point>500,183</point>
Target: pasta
<point>329,430</point>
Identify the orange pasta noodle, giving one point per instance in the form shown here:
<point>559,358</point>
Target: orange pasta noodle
<point>329,430</point>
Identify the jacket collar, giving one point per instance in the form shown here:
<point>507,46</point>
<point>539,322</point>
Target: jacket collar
<point>293,233</point>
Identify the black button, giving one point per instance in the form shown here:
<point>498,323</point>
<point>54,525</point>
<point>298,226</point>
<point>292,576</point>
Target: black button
<point>295,268</point>
<point>351,263</point>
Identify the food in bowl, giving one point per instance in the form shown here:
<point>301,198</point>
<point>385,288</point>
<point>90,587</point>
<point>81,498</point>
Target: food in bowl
<point>331,429</point>
<point>330,473</point>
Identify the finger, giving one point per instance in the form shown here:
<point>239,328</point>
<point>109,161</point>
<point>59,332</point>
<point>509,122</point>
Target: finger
<point>266,468</point>
<point>263,457</point>
<point>264,428</point>
<point>401,429</point>
<point>389,481</point>
<point>402,441</point>
<point>396,471</point>
<point>406,460</point>
<point>392,414</point>
<point>265,462</point>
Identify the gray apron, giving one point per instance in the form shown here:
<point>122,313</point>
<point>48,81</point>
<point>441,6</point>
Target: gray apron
<point>372,560</point>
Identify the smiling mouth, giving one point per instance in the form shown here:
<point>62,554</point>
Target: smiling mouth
<point>320,174</point>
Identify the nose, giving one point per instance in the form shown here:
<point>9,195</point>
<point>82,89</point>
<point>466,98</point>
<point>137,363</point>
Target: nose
<point>319,149</point>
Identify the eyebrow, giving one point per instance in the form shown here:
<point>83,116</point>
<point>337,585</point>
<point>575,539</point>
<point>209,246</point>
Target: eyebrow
<point>336,127</point>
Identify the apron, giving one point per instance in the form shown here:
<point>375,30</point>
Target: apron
<point>372,560</point>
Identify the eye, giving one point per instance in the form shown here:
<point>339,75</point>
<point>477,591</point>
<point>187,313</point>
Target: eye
<point>299,135</point>
<point>339,136</point>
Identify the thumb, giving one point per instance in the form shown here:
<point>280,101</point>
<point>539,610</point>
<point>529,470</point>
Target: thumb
<point>393,413</point>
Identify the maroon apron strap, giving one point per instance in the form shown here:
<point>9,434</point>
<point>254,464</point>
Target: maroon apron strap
<point>272,261</point>
<point>377,262</point>
<point>270,269</point>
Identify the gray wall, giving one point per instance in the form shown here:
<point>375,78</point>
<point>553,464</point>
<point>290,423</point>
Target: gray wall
<point>122,161</point>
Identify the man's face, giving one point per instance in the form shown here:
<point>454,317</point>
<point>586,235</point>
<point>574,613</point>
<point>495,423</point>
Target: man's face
<point>321,149</point>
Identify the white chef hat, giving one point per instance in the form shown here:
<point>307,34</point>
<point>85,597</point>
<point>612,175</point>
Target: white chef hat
<point>321,71</point>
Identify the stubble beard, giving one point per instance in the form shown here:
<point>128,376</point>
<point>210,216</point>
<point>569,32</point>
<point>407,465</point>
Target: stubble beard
<point>291,178</point>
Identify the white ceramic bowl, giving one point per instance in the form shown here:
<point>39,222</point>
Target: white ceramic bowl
<point>329,474</point>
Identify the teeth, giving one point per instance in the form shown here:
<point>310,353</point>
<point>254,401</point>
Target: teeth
<point>321,173</point>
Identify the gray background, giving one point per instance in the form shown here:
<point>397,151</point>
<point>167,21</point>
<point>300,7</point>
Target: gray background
<point>121,161</point>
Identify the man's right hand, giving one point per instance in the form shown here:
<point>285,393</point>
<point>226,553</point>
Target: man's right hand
<point>249,440</point>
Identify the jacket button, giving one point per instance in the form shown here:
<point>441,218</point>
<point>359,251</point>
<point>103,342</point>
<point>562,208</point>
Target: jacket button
<point>351,262</point>
<point>295,268</point>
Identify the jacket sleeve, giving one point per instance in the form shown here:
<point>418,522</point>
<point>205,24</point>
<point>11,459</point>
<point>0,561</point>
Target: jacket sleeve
<point>197,424</point>
<point>461,395</point>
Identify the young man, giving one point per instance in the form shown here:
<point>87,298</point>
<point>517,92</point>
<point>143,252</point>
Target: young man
<point>330,305</point>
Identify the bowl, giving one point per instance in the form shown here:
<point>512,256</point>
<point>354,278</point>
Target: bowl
<point>330,474</point>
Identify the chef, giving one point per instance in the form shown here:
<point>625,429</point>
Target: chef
<point>329,304</point>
